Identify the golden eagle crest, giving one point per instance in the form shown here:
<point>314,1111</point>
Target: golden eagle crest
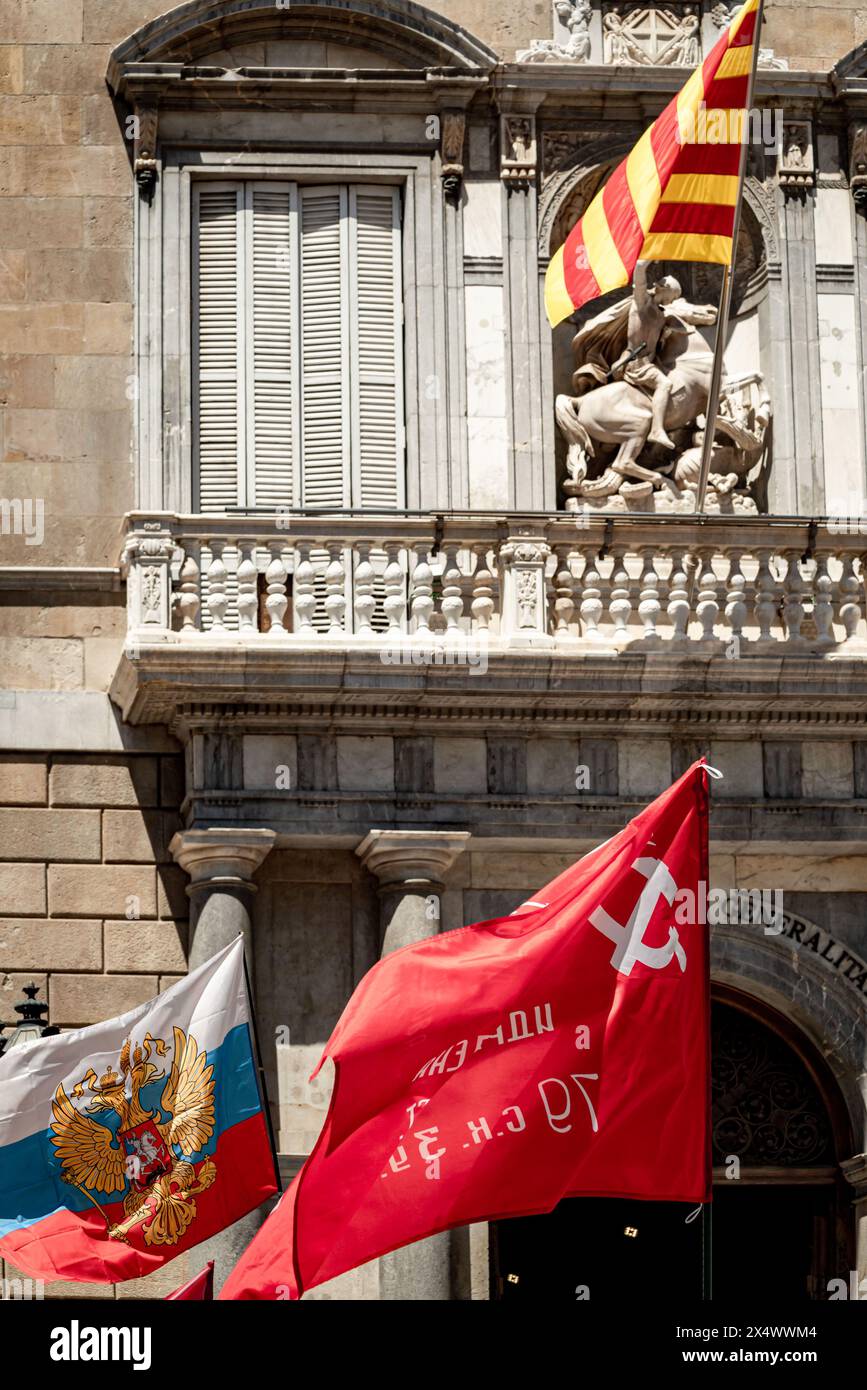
<point>147,1154</point>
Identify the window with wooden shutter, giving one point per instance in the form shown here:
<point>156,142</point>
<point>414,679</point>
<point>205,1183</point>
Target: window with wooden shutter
<point>298,351</point>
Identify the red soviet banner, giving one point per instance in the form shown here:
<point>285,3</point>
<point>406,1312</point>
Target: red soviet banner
<point>491,1071</point>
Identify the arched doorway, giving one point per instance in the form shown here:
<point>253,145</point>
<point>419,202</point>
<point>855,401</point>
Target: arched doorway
<point>781,1221</point>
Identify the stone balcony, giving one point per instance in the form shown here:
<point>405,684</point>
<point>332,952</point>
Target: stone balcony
<point>561,612</point>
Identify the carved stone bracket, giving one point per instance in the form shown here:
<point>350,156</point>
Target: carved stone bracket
<point>518,150</point>
<point>796,161</point>
<point>453,126</point>
<point>858,165</point>
<point>145,162</point>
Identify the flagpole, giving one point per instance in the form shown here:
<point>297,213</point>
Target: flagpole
<point>260,1075</point>
<point>713,399</point>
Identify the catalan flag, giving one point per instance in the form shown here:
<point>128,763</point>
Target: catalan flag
<point>674,197</point>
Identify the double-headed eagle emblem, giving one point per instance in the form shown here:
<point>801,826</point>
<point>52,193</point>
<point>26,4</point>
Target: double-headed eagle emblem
<point>146,1154</point>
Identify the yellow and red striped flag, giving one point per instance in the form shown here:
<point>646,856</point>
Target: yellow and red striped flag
<point>674,197</point>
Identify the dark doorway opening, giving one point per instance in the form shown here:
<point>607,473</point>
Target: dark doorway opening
<point>608,1249</point>
<point>781,1226</point>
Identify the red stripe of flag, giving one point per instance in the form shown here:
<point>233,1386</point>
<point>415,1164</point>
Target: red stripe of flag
<point>703,219</point>
<point>626,230</point>
<point>581,283</point>
<point>727,93</point>
<point>744,36</point>
<point>709,159</point>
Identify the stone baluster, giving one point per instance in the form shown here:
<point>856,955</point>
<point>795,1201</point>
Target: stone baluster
<point>482,606</point>
<point>793,603</point>
<point>649,606</point>
<point>620,605</point>
<point>453,596</point>
<point>766,596</point>
<point>364,597</point>
<point>276,601</point>
<point>679,596</point>
<point>850,598</point>
<point>564,594</point>
<point>707,608</point>
<point>394,580</point>
<point>823,603</point>
<point>304,591</point>
<point>189,598</point>
<point>248,596</point>
<point>422,603</point>
<point>591,596</point>
<point>218,597</point>
<point>335,591</point>
<point>736,609</point>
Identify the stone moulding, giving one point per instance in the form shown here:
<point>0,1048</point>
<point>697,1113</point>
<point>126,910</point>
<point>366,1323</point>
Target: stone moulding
<point>404,32</point>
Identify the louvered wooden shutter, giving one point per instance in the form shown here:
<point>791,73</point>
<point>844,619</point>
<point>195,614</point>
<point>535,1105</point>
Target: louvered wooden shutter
<point>298,350</point>
<point>273,418</point>
<point>376,347</point>
<point>325,439</point>
<point>218,269</point>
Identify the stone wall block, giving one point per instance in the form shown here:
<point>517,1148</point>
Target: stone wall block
<point>51,835</point>
<point>101,890</point>
<point>104,783</point>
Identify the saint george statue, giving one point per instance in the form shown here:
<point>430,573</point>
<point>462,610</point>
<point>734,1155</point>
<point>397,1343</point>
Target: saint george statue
<point>641,383</point>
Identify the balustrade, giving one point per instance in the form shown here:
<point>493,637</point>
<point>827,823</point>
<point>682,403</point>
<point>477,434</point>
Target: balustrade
<point>630,585</point>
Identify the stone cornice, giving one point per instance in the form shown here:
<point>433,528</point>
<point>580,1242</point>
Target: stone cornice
<point>530,690</point>
<point>613,94</point>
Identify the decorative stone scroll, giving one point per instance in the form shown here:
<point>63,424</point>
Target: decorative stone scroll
<point>145,162</point>
<point>858,165</point>
<point>453,126</point>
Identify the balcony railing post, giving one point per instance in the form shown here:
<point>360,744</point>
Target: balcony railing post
<point>523,559</point>
<point>147,558</point>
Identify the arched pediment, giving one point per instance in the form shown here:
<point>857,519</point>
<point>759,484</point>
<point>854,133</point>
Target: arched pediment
<point>853,65</point>
<point>303,34</point>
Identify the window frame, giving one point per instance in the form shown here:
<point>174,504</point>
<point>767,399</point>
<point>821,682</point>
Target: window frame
<point>164,313</point>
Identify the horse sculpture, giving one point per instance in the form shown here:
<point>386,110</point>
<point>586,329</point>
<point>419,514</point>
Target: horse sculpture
<point>608,412</point>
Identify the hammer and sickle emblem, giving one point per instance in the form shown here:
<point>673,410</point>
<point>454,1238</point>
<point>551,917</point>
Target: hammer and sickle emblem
<point>629,943</point>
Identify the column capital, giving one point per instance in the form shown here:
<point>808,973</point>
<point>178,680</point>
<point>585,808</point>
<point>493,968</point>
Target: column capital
<point>855,1172</point>
<point>223,856</point>
<point>407,856</point>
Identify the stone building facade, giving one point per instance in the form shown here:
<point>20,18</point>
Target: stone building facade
<point>278,437</point>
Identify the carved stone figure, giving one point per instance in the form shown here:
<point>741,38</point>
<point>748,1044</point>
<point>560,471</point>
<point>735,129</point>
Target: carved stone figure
<point>796,165</point>
<point>641,384</point>
<point>575,15</point>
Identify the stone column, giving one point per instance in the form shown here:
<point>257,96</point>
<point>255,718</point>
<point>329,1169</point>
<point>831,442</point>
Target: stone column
<point>221,863</point>
<point>799,463</point>
<point>411,866</point>
<point>855,1173</point>
<point>531,482</point>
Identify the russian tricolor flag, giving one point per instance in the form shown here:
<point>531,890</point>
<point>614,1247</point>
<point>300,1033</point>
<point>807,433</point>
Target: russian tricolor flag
<point>125,1144</point>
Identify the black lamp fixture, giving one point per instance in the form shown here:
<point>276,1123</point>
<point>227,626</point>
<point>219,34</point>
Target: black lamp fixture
<point>32,1025</point>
